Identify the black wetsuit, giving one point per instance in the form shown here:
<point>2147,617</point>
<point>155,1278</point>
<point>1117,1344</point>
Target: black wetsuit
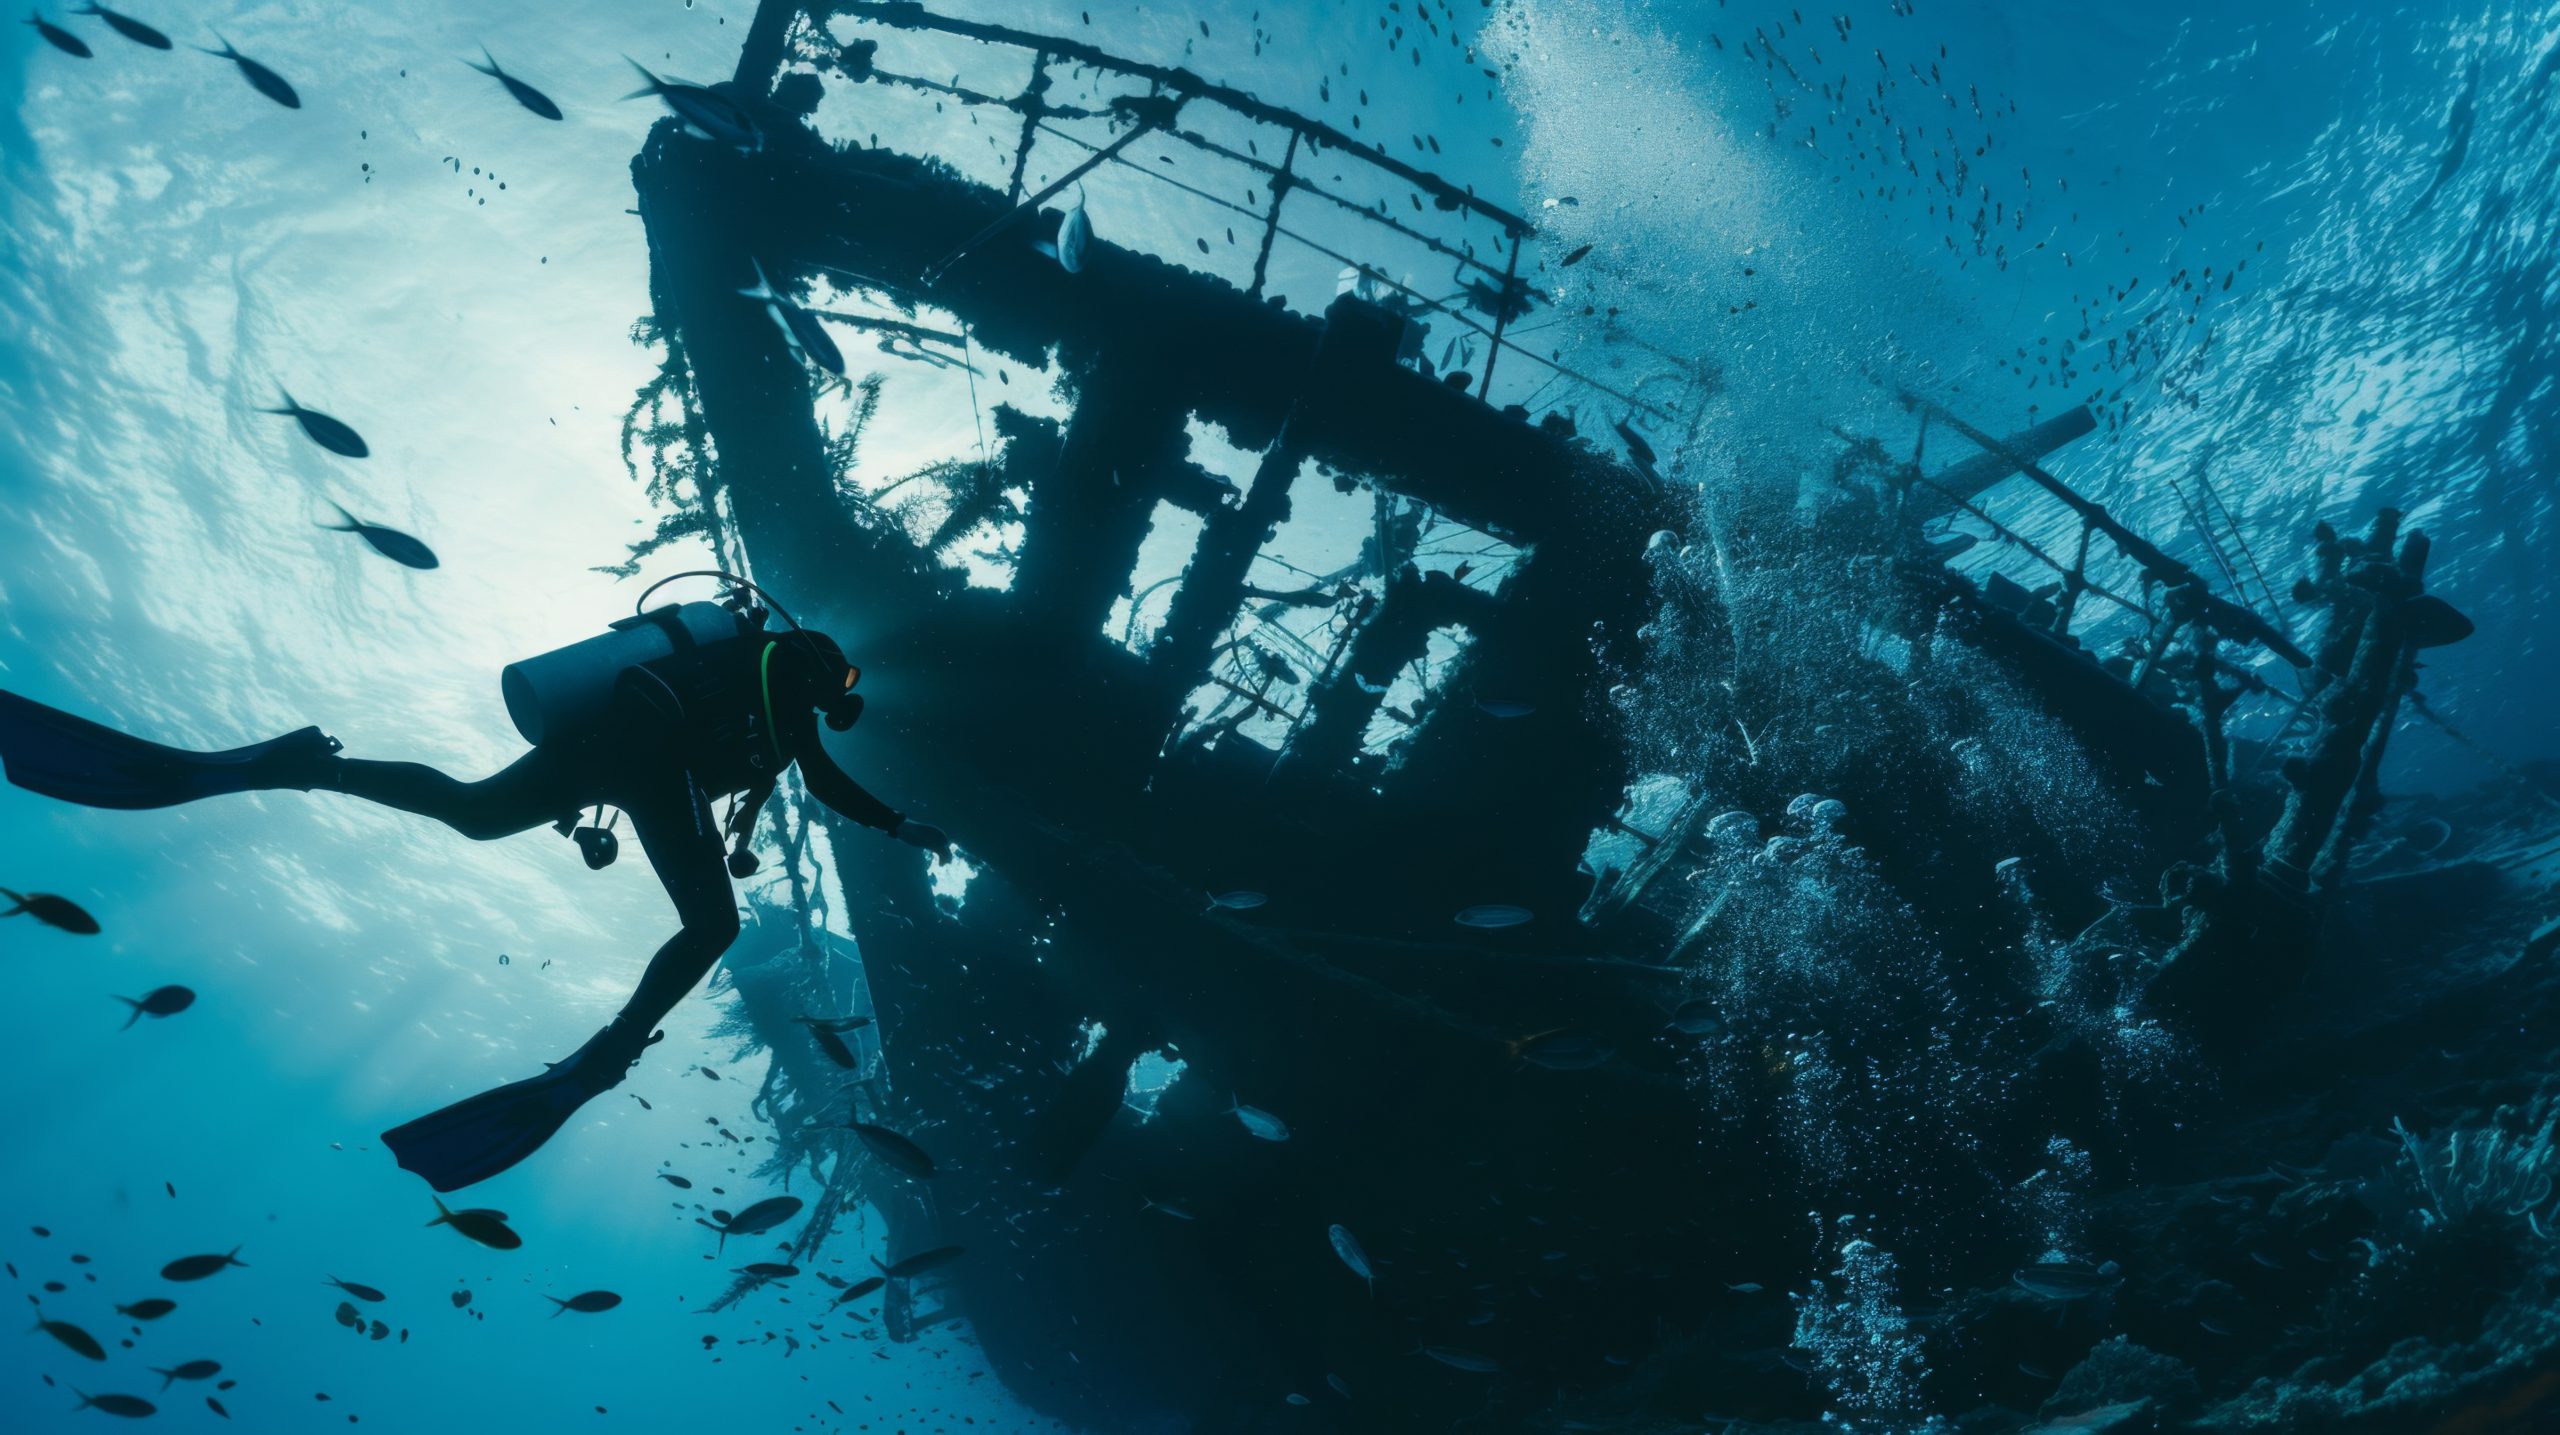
<point>662,757</point>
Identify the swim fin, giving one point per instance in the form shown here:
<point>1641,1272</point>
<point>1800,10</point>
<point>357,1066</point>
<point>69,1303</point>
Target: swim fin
<point>52,752</point>
<point>479,1136</point>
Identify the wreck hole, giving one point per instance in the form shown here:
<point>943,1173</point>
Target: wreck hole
<point>1150,1077</point>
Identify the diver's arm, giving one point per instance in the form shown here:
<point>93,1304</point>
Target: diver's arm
<point>831,785</point>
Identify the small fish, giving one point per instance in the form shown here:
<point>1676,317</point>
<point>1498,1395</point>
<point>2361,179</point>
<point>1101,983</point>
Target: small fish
<point>1347,1246</point>
<point>59,38</point>
<point>709,1075</point>
<point>921,1262</point>
<point>672,1179</point>
<point>1697,1018</point>
<point>267,82</point>
<point>1494,916</point>
<point>1574,258</point>
<point>757,1219</point>
<point>1744,1287</point>
<point>478,1223</point>
<point>644,1101</point>
<point>2066,1280</point>
<point>836,1024</point>
<point>1075,237</point>
<point>833,1045</point>
<point>895,1150</point>
<point>1238,901</point>
<point>769,1271</point>
<point>585,1303</point>
<point>73,1338</point>
<point>151,1309</point>
<point>1466,1360</point>
<point>1262,1124</point>
<point>526,95</point>
<point>196,1268</point>
<point>1564,1050</point>
<point>160,1001</point>
<point>1639,452</point>
<point>708,113</point>
<point>391,543</point>
<point>131,1407</point>
<point>461,1298</point>
<point>192,1370</point>
<point>347,1315</point>
<point>1340,1386</point>
<point>861,1288</point>
<point>1503,708</point>
<point>53,911</point>
<point>1179,1213</point>
<point>358,1289</point>
<point>1295,1398</point>
<point>329,433</point>
<point>127,26</point>
<point>800,328</point>
<point>216,1407</point>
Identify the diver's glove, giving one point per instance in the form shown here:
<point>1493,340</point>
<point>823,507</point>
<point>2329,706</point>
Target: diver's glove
<point>924,835</point>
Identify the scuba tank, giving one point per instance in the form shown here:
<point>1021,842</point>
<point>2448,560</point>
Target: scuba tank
<point>566,691</point>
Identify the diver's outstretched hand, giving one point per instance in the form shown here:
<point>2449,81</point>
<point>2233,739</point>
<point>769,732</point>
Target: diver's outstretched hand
<point>926,836</point>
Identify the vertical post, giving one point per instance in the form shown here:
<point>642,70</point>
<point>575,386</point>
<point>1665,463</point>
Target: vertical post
<point>1033,107</point>
<point>2074,583</point>
<point>1280,184</point>
<point>1501,319</point>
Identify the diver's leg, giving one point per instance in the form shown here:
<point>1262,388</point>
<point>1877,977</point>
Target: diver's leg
<point>477,1138</point>
<point>539,787</point>
<point>676,830</point>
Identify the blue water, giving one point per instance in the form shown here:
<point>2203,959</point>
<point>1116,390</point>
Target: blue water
<point>415,253</point>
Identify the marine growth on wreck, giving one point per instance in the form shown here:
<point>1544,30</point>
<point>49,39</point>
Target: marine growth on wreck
<point>1535,715</point>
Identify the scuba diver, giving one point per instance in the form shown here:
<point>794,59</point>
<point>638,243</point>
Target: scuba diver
<point>669,710</point>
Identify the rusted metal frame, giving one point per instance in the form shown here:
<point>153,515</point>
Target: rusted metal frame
<point>1967,506</point>
<point>1033,107</point>
<point>1373,215</point>
<point>933,273</point>
<point>889,326</point>
<point>908,15</point>
<point>1030,110</point>
<point>1282,180</point>
<point>1501,320</point>
<point>1423,301</point>
<point>2229,617</point>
